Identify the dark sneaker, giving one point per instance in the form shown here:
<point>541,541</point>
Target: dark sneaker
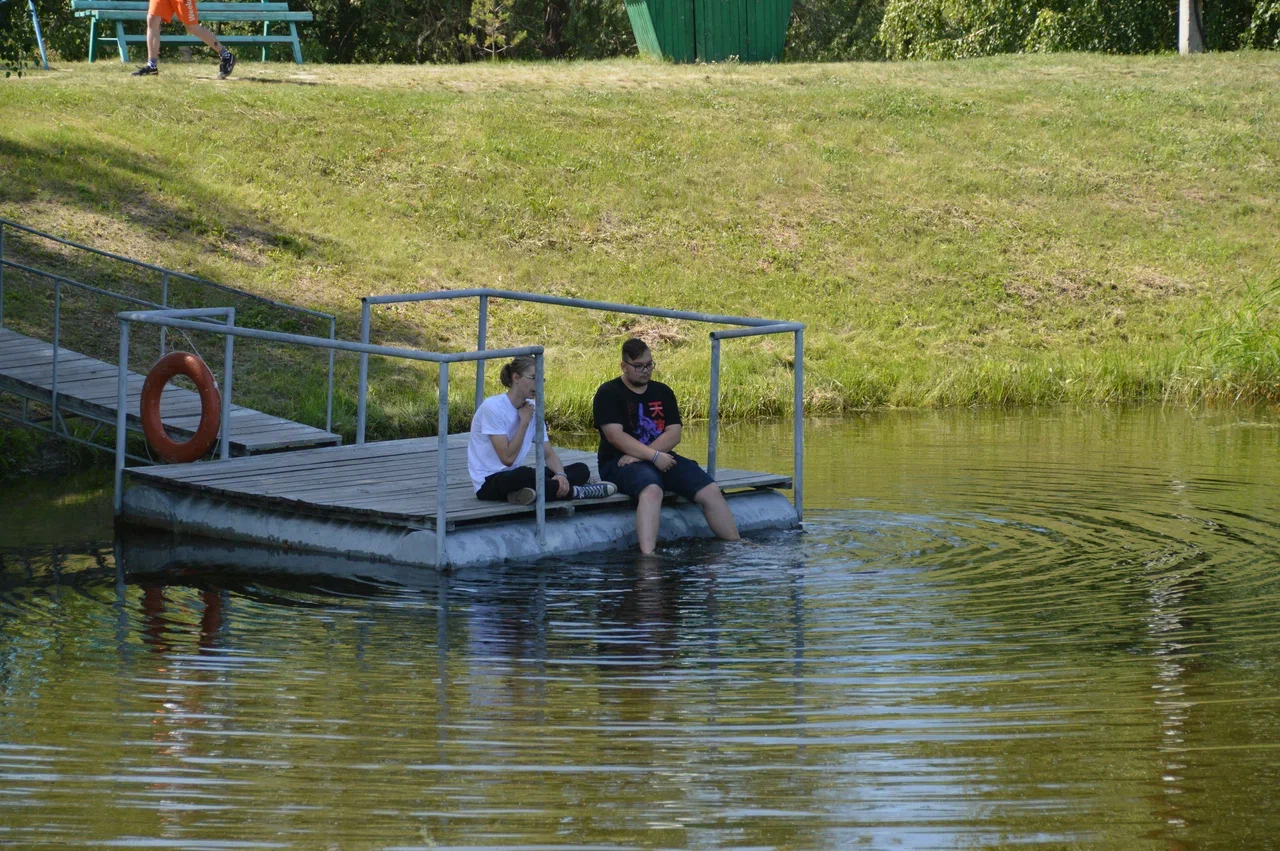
<point>146,71</point>
<point>599,490</point>
<point>227,65</point>
<point>524,496</point>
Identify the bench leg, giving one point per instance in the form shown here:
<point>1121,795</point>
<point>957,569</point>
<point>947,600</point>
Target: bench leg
<point>297,48</point>
<point>121,43</point>
<point>266,48</point>
<point>93,38</point>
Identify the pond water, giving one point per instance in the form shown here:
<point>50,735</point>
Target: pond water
<point>1032,628</point>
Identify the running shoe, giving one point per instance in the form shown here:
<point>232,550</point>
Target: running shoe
<point>147,70</point>
<point>226,66</point>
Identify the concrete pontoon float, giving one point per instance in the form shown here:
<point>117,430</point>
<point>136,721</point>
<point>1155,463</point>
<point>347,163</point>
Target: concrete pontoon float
<point>410,502</point>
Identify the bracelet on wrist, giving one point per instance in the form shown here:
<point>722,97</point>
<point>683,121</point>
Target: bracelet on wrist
<point>656,455</point>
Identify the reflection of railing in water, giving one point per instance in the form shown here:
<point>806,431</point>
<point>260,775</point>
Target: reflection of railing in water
<point>751,327</point>
<point>165,276</point>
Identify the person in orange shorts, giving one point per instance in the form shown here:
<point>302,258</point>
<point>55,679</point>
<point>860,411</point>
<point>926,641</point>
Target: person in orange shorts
<point>185,10</point>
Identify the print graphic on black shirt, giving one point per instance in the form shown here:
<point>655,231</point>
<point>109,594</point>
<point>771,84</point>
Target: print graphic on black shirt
<point>649,426</point>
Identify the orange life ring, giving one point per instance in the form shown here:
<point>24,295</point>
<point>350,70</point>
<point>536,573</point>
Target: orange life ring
<point>180,363</point>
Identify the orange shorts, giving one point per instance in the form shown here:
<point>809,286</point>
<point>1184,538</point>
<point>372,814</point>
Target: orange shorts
<point>166,9</point>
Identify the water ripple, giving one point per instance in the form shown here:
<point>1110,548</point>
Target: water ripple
<point>993,630</point>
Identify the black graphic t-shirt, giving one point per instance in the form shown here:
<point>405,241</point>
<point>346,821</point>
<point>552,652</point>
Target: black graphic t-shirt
<point>644,416</point>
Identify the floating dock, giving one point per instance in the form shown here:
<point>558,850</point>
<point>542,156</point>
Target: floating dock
<point>378,501</point>
<point>87,387</point>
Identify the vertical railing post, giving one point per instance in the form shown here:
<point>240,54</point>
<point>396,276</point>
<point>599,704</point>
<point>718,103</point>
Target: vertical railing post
<point>228,354</point>
<point>164,304</point>
<point>713,409</point>
<point>442,470</point>
<point>328,405</point>
<point>1,273</point>
<point>797,477</point>
<point>481,336</point>
<point>35,22</point>
<point>362,389</point>
<point>540,454</point>
<point>122,386</point>
<point>57,330</point>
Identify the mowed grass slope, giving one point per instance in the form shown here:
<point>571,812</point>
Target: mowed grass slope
<point>1011,230</point>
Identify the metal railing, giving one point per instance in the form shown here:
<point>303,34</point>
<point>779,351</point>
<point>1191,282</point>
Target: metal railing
<point>165,276</point>
<point>193,320</point>
<point>58,282</point>
<point>750,327</point>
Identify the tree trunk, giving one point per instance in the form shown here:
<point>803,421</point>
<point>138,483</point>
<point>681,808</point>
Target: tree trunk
<point>553,32</point>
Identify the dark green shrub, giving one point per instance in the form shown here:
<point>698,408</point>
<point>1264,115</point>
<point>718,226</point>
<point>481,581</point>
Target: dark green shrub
<point>943,29</point>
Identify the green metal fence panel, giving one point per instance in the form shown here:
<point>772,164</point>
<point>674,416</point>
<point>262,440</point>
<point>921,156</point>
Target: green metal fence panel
<point>663,28</point>
<point>710,30</point>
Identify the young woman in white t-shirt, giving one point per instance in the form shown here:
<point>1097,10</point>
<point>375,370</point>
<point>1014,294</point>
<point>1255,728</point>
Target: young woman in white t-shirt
<point>501,437</point>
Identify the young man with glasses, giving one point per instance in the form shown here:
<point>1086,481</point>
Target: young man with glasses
<point>639,424</point>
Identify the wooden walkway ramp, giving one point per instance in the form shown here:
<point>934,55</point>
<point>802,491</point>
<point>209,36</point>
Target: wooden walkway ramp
<point>87,387</point>
<point>392,482</point>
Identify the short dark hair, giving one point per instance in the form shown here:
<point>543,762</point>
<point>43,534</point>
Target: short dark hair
<point>634,348</point>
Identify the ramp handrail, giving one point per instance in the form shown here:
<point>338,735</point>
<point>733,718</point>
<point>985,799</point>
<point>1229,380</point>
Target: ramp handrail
<point>751,326</point>
<point>190,319</point>
<point>165,276</point>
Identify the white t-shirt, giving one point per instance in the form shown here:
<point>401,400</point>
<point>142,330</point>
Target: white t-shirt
<point>496,415</point>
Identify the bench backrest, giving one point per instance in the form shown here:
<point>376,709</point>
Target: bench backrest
<point>141,6</point>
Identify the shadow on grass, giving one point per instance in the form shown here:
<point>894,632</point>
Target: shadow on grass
<point>102,178</point>
<point>269,81</point>
<point>89,180</point>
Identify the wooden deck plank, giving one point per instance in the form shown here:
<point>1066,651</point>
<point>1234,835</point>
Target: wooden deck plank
<point>363,466</point>
<point>419,468</point>
<point>36,367</point>
<point>388,482</point>
<point>331,456</point>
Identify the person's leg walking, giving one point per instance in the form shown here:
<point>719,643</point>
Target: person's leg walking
<point>226,59</point>
<point>203,33</point>
<point>153,39</point>
<point>716,509</point>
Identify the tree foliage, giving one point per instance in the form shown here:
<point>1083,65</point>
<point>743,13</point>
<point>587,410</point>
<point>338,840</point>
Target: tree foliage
<point>17,41</point>
<point>459,30</point>
<point>945,29</point>
<point>490,34</point>
<point>835,30</point>
<point>444,31</point>
<point>65,36</point>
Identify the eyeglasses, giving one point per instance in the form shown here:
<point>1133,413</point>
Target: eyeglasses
<point>641,367</point>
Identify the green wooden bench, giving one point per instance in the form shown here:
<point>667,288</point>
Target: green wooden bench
<point>102,12</point>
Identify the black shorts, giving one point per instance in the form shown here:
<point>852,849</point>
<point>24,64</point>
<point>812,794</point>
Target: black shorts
<point>685,478</point>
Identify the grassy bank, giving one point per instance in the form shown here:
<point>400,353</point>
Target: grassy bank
<point>1012,230</point>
